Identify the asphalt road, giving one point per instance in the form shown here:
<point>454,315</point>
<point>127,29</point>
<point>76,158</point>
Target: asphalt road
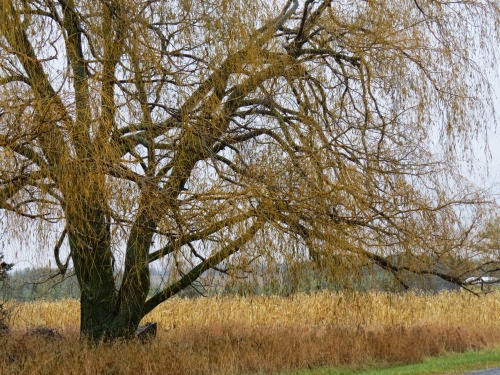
<point>491,371</point>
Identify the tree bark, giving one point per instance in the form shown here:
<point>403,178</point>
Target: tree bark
<point>108,313</point>
<point>90,240</point>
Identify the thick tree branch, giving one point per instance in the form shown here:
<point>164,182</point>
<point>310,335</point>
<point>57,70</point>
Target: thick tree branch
<point>197,271</point>
<point>74,48</point>
<point>62,267</point>
<point>13,30</point>
<point>14,78</point>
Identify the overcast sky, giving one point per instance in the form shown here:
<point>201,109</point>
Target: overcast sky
<point>489,161</point>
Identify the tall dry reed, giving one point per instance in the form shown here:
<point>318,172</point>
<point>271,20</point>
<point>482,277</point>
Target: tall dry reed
<point>342,309</point>
<point>260,334</point>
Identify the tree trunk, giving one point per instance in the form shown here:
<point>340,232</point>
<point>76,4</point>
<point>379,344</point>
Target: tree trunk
<point>136,277</point>
<point>90,240</point>
<point>106,313</point>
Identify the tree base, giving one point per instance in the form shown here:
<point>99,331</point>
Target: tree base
<point>146,332</point>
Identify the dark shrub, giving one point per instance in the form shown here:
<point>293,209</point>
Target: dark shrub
<point>4,267</point>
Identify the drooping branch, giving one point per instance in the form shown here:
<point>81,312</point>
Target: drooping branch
<point>381,261</point>
<point>390,266</point>
<point>29,153</point>
<point>15,185</point>
<point>182,240</point>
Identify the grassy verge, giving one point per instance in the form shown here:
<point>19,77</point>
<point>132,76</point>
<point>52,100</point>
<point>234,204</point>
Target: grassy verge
<point>447,364</point>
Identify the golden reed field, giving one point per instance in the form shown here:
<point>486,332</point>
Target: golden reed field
<point>233,335</point>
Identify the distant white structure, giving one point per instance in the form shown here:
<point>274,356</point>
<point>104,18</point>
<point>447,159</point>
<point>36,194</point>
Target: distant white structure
<point>481,280</point>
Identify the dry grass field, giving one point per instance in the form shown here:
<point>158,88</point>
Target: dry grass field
<point>259,334</point>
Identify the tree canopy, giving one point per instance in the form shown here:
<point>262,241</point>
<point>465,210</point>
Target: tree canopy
<point>211,133</point>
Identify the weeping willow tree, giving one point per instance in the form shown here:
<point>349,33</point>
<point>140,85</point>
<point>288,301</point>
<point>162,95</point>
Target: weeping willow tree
<point>210,133</point>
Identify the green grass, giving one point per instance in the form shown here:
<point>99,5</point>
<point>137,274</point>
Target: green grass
<point>448,364</point>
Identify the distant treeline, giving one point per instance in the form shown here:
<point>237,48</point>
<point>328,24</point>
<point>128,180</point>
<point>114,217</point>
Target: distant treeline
<point>306,277</point>
<point>38,283</point>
